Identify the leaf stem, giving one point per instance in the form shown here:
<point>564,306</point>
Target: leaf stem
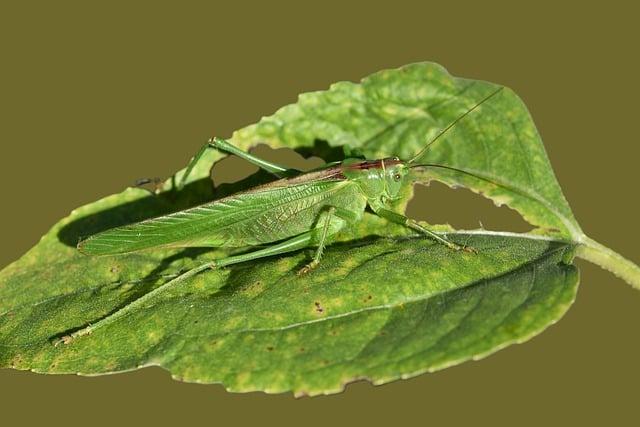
<point>612,261</point>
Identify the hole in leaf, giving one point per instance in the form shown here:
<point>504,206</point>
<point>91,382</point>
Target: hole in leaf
<point>462,209</point>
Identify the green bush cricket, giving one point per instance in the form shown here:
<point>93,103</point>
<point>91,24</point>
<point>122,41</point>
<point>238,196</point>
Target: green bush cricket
<point>298,210</point>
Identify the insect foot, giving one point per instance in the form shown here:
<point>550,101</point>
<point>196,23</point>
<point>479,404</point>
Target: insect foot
<point>465,248</point>
<point>307,268</point>
<point>455,247</point>
<point>67,339</point>
<point>64,340</point>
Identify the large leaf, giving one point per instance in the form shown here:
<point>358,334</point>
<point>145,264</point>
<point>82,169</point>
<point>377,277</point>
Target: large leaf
<point>377,308</point>
<point>396,112</point>
<point>381,310</point>
<point>497,147</point>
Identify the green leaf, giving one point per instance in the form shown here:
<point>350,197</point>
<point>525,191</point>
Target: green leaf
<point>396,112</point>
<point>496,148</point>
<point>379,308</point>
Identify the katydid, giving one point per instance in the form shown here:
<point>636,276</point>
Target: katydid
<point>298,210</point>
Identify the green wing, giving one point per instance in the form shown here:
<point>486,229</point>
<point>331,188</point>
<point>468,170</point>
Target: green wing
<point>262,215</point>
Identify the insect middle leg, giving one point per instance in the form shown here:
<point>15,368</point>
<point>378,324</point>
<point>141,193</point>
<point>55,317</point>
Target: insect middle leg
<point>222,145</point>
<point>321,243</point>
<point>334,220</point>
<point>413,224</point>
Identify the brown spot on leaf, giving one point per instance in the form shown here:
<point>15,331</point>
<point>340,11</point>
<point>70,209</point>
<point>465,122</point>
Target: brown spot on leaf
<point>319,307</point>
<point>269,348</point>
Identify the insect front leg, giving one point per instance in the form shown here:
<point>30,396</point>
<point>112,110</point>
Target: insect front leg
<point>222,145</point>
<point>413,224</point>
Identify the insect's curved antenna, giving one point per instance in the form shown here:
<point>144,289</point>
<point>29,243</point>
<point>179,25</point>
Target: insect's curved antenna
<point>469,173</point>
<point>452,168</point>
<point>453,123</point>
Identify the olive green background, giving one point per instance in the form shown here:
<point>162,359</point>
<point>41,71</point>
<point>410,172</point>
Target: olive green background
<point>94,96</point>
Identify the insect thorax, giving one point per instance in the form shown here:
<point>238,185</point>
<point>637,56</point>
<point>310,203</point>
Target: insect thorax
<point>380,180</point>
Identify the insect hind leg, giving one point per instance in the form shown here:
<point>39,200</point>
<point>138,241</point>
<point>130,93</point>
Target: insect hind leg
<point>224,146</point>
<point>295,243</point>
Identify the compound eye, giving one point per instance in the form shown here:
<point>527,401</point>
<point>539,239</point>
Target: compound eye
<point>397,177</point>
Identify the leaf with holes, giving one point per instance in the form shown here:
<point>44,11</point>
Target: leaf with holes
<point>379,308</point>
<point>496,151</point>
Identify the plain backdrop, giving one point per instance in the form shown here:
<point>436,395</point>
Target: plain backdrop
<point>96,95</point>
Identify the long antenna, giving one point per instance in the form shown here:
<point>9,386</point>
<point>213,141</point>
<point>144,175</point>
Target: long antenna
<point>453,123</point>
<point>469,173</point>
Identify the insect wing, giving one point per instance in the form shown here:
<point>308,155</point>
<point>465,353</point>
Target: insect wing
<point>249,218</point>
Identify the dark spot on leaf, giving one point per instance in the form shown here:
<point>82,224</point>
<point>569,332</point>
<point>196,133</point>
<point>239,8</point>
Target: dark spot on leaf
<point>17,360</point>
<point>301,349</point>
<point>319,307</point>
<point>269,348</point>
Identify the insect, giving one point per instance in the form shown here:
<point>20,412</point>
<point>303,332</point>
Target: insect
<point>298,210</point>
